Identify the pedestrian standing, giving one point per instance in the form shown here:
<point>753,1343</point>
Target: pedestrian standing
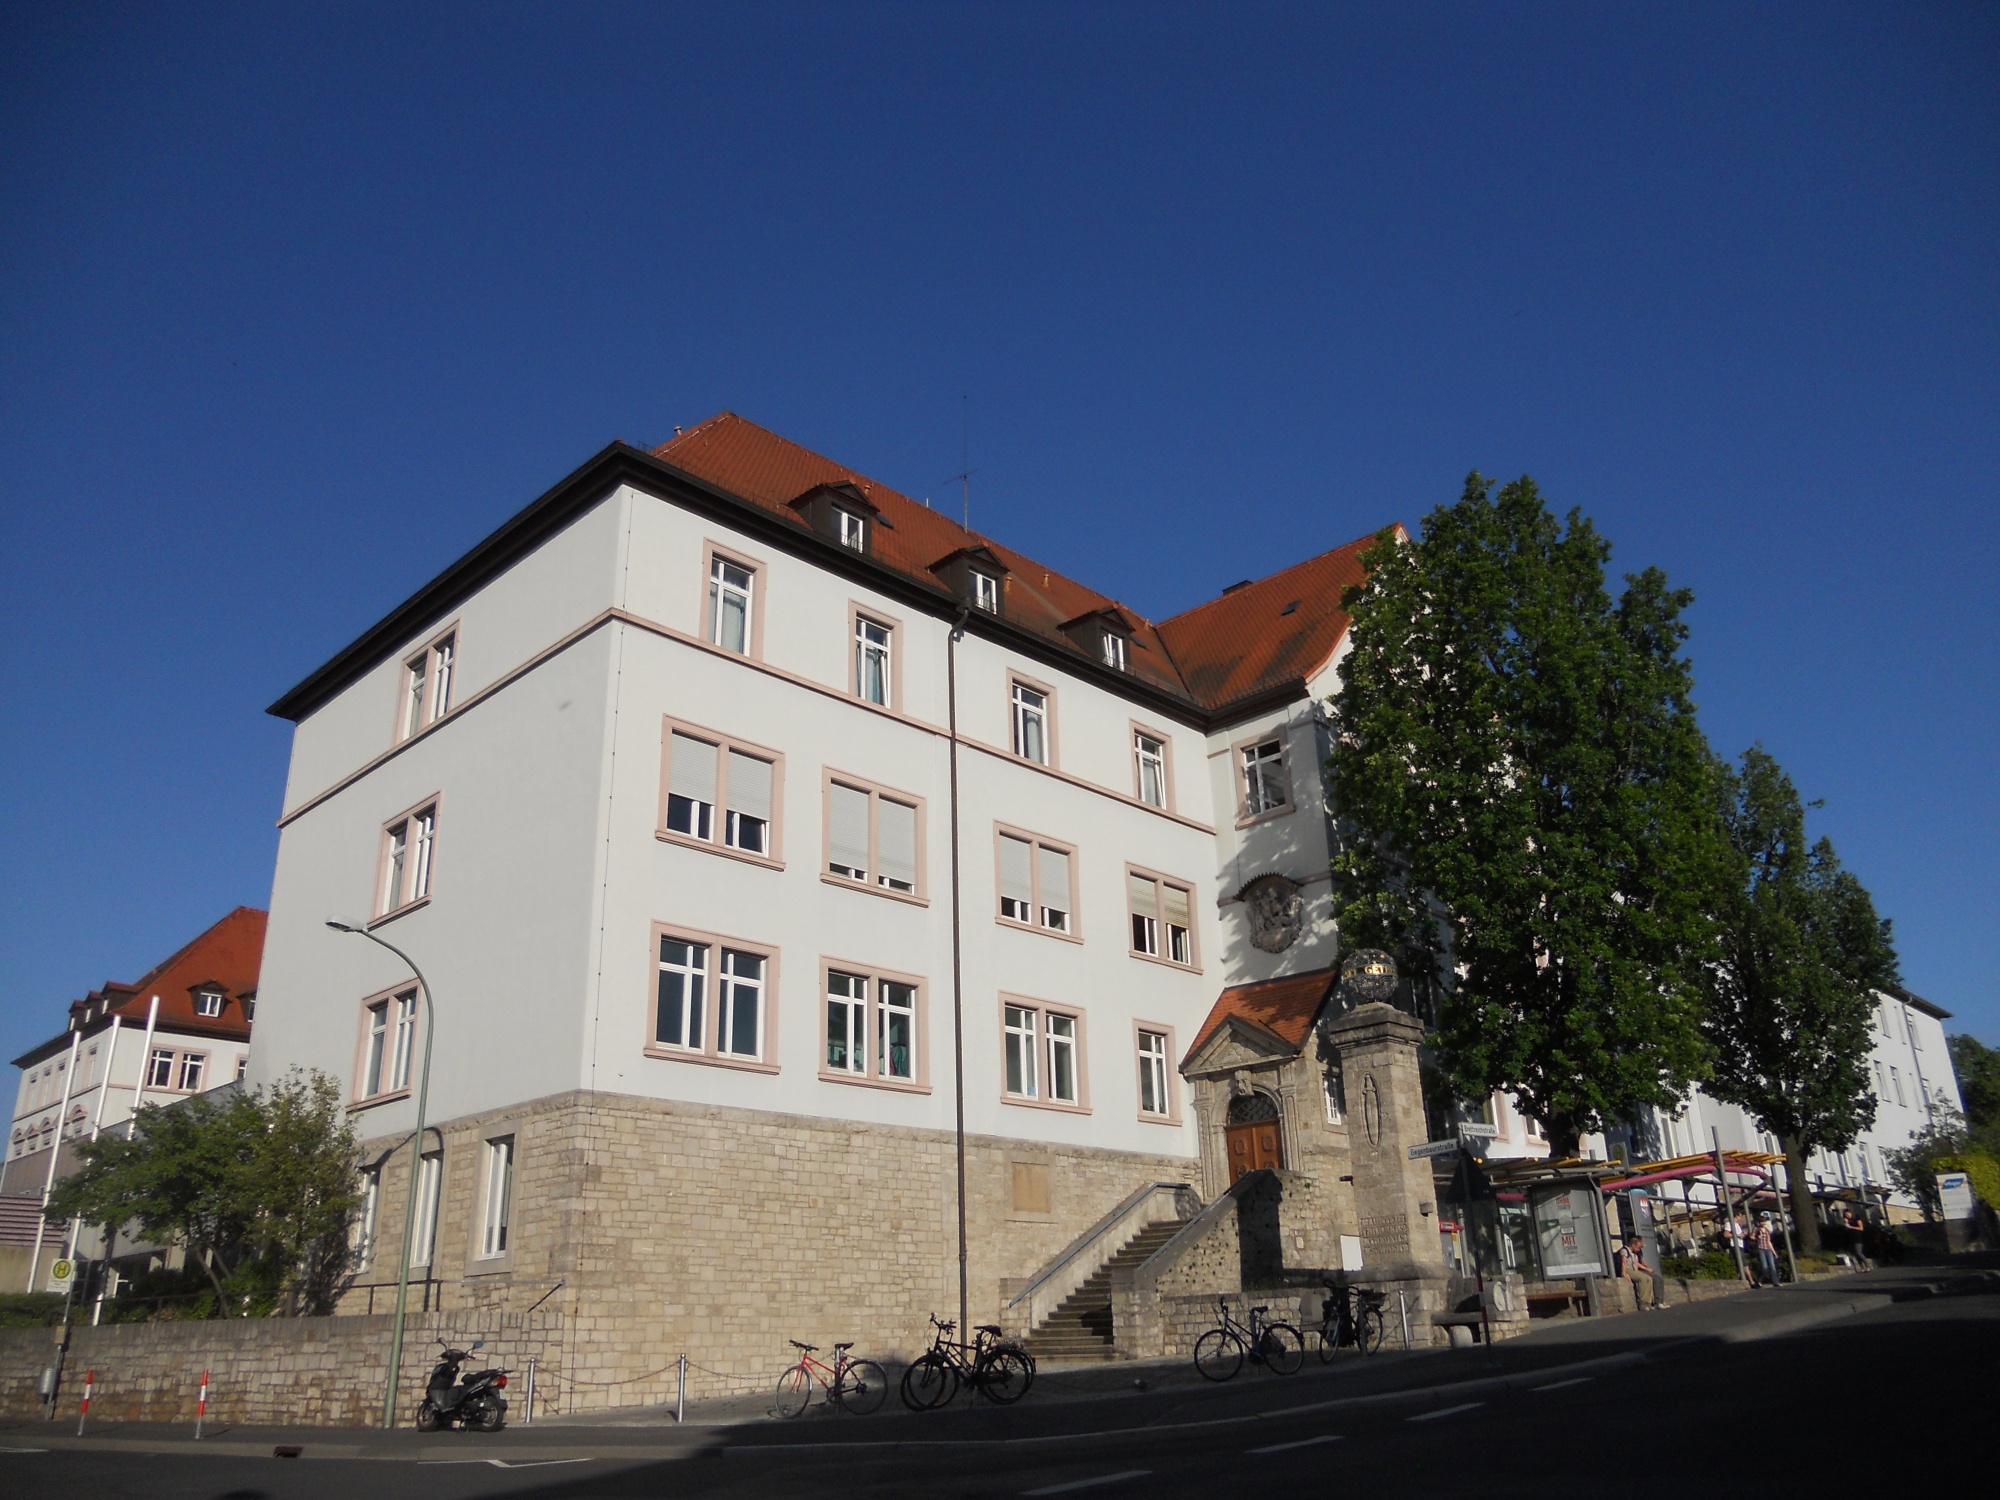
<point>1739,1247</point>
<point>1767,1252</point>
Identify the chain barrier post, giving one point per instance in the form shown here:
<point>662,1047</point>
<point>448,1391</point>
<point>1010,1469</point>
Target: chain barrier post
<point>201,1406</point>
<point>531,1390</point>
<point>1403,1307</point>
<point>681,1392</point>
<point>89,1380</point>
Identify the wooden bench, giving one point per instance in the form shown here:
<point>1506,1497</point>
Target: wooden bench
<point>1556,1304</point>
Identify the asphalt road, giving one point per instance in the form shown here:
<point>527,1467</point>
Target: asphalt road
<point>1872,1381</point>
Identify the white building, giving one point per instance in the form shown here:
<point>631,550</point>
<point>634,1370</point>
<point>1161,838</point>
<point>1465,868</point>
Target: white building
<point>182,1028</point>
<point>658,785</point>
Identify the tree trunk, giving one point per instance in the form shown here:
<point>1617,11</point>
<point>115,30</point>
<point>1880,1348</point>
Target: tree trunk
<point>1805,1223</point>
<point>1565,1141</point>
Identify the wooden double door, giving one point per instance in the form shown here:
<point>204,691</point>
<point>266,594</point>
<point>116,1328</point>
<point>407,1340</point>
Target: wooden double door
<point>1254,1144</point>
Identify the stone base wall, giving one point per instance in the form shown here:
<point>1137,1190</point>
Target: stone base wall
<point>322,1371</point>
<point>662,1228</point>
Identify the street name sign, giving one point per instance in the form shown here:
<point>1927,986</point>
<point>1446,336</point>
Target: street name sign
<point>1479,1130</point>
<point>1433,1148</point>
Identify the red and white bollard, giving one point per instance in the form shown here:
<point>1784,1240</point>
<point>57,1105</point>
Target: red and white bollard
<point>89,1380</point>
<point>201,1406</point>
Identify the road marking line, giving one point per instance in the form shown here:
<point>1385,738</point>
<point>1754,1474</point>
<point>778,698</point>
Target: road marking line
<point>1331,1437</point>
<point>1449,1411</point>
<point>1089,1484</point>
<point>1573,1380</point>
<point>23,1450</point>
<point>498,1463</point>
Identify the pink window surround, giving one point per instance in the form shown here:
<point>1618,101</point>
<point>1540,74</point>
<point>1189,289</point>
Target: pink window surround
<point>1244,817</point>
<point>1037,842</point>
<point>1040,1098</point>
<point>877,793</point>
<point>1052,757</point>
<point>177,1060</point>
<point>1166,743</point>
<point>710,1053</point>
<point>717,842</point>
<point>387,999</point>
<point>417,883</point>
<point>441,649</point>
<point>760,575</point>
<point>1160,885</point>
<point>1173,1077</point>
<point>856,613</point>
<point>872,1076</point>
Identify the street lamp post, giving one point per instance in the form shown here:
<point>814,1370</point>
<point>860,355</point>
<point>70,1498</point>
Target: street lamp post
<point>416,1162</point>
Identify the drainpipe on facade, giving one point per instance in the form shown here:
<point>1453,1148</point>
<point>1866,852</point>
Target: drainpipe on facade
<point>957,965</point>
<point>55,1155</point>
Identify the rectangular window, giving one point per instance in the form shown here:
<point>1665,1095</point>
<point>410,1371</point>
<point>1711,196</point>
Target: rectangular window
<point>1042,1054</point>
<point>192,1064</point>
<point>430,1177</point>
<point>871,1027</point>
<point>1113,649</point>
<point>408,841</point>
<point>1153,1098</point>
<point>1023,1032</point>
<point>427,685</point>
<point>874,836</point>
<point>499,1205</point>
<point>1162,916</point>
<point>740,1003</point>
<point>363,1238</point>
<point>1896,1078</point>
<point>160,1068</point>
<point>388,1042</point>
<point>721,792</point>
<point>1037,886</point>
<point>730,604</point>
<point>851,529</point>
<point>1267,786</point>
<point>1149,766</point>
<point>207,1003</point>
<point>683,990</point>
<point>1031,723</point>
<point>1332,1086</point>
<point>985,592</point>
<point>871,660</point>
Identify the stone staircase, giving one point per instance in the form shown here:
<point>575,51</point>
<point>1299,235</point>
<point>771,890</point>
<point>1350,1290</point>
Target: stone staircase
<point>1080,1329</point>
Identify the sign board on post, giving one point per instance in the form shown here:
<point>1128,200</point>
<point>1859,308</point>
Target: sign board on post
<point>1433,1148</point>
<point>1478,1130</point>
<point>1566,1231</point>
<point>1955,1194</point>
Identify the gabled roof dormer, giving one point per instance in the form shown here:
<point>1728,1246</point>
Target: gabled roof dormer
<point>1106,634</point>
<point>842,512</point>
<point>977,576</point>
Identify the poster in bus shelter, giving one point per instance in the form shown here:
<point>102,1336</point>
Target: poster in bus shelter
<point>1566,1230</point>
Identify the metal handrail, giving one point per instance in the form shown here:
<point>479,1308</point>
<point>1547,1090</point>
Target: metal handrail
<point>1083,1242</point>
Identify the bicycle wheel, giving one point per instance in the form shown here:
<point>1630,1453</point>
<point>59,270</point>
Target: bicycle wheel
<point>929,1383</point>
<point>862,1388</point>
<point>795,1391</point>
<point>1218,1354</point>
<point>1284,1351</point>
<point>1327,1336</point>
<point>1372,1330</point>
<point>1006,1377</point>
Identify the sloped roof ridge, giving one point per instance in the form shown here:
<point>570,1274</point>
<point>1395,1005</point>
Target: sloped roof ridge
<point>1256,584</point>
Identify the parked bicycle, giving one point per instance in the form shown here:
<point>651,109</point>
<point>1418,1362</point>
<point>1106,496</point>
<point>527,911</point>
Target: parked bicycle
<point>1350,1318</point>
<point>1220,1352</point>
<point>856,1385</point>
<point>999,1369</point>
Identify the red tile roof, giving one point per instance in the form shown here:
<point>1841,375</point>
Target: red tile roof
<point>226,957</point>
<point>1228,650</point>
<point>1287,1006</point>
<point>1245,644</point>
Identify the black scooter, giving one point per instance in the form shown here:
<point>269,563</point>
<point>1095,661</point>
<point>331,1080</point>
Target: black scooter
<point>474,1401</point>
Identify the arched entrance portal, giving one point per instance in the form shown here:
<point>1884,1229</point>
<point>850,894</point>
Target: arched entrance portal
<point>1252,1135</point>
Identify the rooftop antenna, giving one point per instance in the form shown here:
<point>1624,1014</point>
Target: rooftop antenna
<point>964,475</point>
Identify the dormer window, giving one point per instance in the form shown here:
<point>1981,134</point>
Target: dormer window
<point>842,512</point>
<point>977,576</point>
<point>850,529</point>
<point>1113,649</point>
<point>1106,634</point>
<point>208,1003</point>
<point>985,591</point>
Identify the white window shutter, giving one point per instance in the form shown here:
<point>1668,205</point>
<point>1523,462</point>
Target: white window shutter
<point>898,833</point>
<point>749,785</point>
<point>691,771</point>
<point>1145,899</point>
<point>1177,906</point>
<point>1017,882</point>
<point>1054,867</point>
<point>847,828</point>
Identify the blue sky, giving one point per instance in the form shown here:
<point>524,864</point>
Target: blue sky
<point>297,303</point>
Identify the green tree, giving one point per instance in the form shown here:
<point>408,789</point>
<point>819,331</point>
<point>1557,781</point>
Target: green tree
<point>1792,998</point>
<point>1947,1144</point>
<point>1527,807</point>
<point>257,1187</point>
<point>1978,1068</point>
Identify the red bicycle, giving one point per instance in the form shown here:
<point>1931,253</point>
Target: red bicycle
<point>856,1385</point>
